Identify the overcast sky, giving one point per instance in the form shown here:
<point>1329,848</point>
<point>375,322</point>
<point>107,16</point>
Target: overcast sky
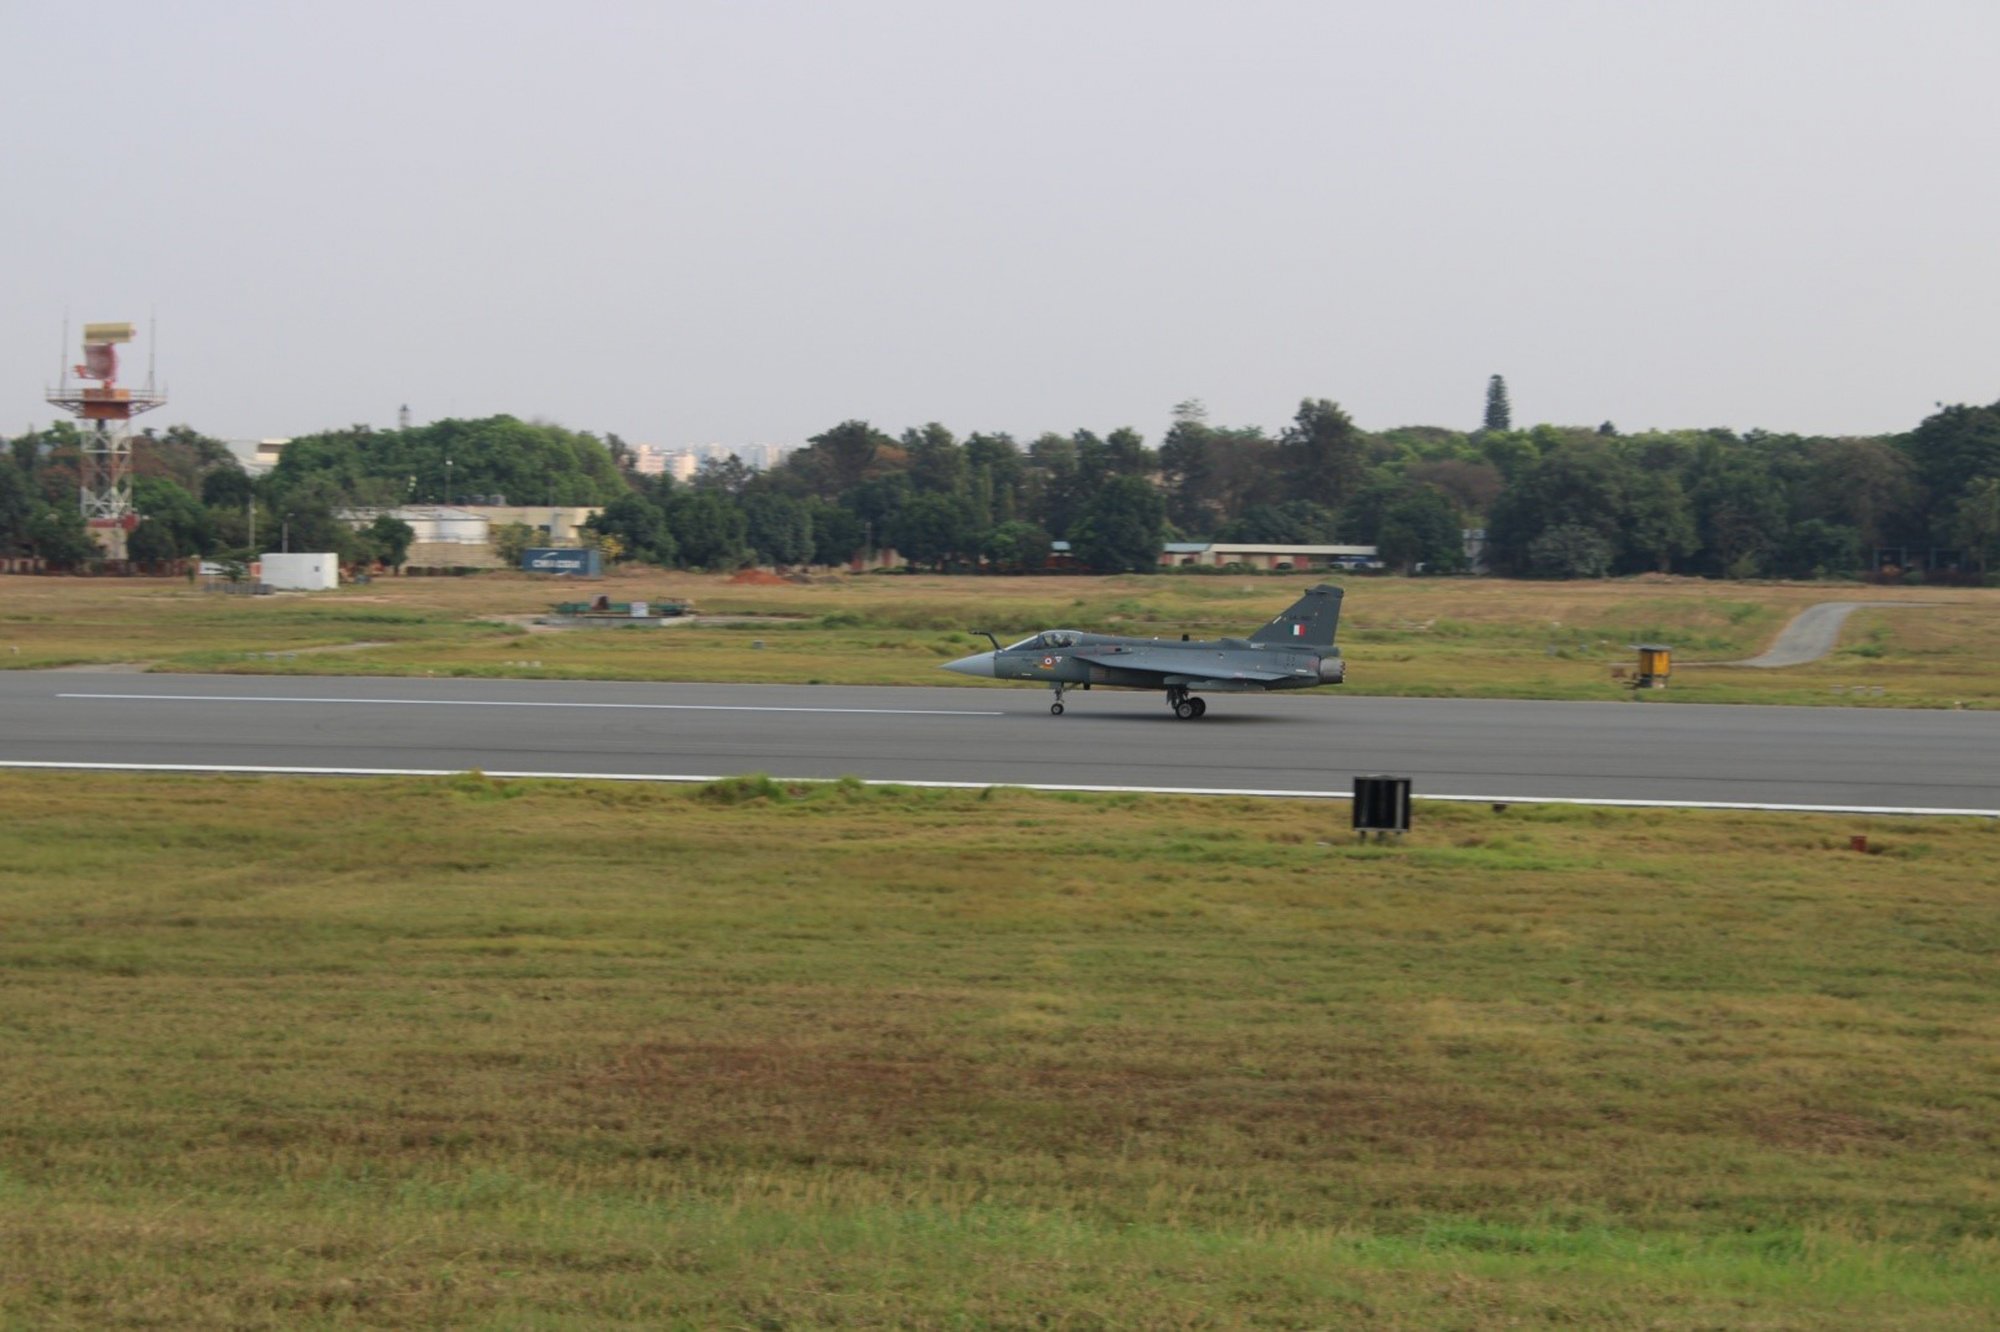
<point>732,221</point>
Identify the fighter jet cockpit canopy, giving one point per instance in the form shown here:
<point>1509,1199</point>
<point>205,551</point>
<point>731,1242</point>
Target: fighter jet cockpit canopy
<point>1048,638</point>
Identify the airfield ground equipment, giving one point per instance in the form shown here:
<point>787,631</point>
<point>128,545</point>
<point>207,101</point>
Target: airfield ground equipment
<point>1381,806</point>
<point>604,608</point>
<point>1656,663</point>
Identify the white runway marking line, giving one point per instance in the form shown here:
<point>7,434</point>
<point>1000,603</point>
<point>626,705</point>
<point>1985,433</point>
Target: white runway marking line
<point>529,703</point>
<point>1272,793</point>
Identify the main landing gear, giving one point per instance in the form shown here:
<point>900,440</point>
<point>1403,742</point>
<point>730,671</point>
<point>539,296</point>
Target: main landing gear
<point>1185,706</point>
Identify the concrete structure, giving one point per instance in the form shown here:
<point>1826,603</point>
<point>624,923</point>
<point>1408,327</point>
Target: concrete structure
<point>256,456</point>
<point>298,571</point>
<point>1267,555</point>
<point>461,535</point>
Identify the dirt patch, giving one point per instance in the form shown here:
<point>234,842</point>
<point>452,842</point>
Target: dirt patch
<point>758,578</point>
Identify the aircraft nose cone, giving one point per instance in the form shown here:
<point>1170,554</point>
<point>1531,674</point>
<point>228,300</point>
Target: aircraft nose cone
<point>979,663</point>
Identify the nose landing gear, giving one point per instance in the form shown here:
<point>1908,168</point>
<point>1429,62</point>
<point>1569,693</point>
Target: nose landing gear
<point>1056,708</point>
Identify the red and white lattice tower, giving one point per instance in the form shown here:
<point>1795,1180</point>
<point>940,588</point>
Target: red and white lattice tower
<point>106,412</point>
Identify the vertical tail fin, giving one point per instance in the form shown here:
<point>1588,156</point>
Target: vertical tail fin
<point>1310,622</point>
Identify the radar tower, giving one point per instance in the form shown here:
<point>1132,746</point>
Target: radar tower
<point>106,413</point>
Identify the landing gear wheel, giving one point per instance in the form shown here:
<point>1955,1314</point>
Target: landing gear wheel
<point>1185,709</point>
<point>1055,709</point>
<point>1200,706</point>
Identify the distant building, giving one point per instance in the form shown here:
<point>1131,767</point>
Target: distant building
<point>1267,555</point>
<point>462,534</point>
<point>257,456</point>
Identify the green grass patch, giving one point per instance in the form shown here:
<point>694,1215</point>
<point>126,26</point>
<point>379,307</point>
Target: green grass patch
<point>466,1051</point>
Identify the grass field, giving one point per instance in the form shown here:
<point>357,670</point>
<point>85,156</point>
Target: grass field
<point>453,1052</point>
<point>1455,637</point>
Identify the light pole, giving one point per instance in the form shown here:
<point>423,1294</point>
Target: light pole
<point>447,483</point>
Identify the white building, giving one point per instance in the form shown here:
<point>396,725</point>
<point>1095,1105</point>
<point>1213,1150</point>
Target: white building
<point>257,456</point>
<point>1269,555</point>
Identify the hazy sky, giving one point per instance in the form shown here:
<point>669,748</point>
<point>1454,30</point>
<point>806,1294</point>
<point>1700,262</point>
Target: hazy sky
<point>724,220</point>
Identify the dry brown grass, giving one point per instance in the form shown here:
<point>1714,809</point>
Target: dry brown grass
<point>1465,637</point>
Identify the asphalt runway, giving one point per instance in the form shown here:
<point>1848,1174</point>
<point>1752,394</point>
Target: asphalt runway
<point>1303,743</point>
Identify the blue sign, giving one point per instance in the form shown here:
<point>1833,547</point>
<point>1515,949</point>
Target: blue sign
<point>556,561</point>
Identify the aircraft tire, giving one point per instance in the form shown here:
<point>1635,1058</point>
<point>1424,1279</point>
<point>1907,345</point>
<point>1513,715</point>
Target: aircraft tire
<point>1185,709</point>
<point>1200,706</point>
<point>1055,709</point>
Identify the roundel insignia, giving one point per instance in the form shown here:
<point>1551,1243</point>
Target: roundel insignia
<point>1048,661</point>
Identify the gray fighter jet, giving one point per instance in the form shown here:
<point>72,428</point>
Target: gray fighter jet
<point>1293,651</point>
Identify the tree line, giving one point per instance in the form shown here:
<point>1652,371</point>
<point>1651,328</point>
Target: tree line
<point>194,499</point>
<point>1555,501</point>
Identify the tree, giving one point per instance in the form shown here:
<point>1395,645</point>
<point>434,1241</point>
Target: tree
<point>389,539</point>
<point>302,516</point>
<point>779,528</point>
<point>1119,530</point>
<point>1361,517</point>
<point>1816,548</point>
<point>710,529</point>
<point>1294,522</point>
<point>1320,454</point>
<point>182,455</point>
<point>1472,486</point>
<point>608,547</point>
<point>932,529</point>
<point>227,487</point>
<point>875,502</point>
<point>1868,484</point>
<point>1580,483</point>
<point>1422,528</point>
<point>511,541</point>
<point>937,461</point>
<point>58,534</point>
<point>1017,547</point>
<point>639,526</point>
<point>1056,490</point>
<point>837,532</point>
<point>1499,415</point>
<point>1570,550</point>
<point>185,527</point>
<point>997,475</point>
<point>151,542</point>
<point>17,505</point>
<point>728,474</point>
<point>1659,524</point>
<point>1952,447</point>
<point>841,458</point>
<point>1125,453</point>
<point>1186,469</point>
<point>459,461</point>
<point>1975,521</point>
<point>1740,506</point>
